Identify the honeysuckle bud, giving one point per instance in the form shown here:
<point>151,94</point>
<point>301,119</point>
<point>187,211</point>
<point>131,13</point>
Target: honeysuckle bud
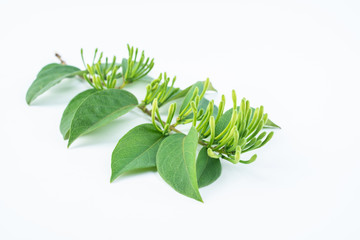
<point>229,126</point>
<point>252,159</point>
<point>194,109</point>
<point>243,106</point>
<point>153,113</point>
<point>212,130</point>
<point>257,130</point>
<point>212,154</point>
<point>237,154</point>
<point>234,99</point>
<point>171,113</point>
<point>187,110</point>
<point>235,141</point>
<point>206,86</point>
<point>267,139</point>
<point>221,108</point>
<point>200,114</point>
<point>261,136</point>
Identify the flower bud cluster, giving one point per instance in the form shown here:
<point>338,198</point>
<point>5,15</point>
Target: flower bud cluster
<point>241,134</point>
<point>155,116</point>
<point>101,75</point>
<point>136,69</point>
<point>159,89</point>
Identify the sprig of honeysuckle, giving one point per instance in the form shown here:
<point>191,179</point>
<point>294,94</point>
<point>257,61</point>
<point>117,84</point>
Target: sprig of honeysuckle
<point>221,134</point>
<point>240,135</point>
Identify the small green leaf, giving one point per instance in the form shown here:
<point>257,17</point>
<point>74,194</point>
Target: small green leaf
<point>135,150</point>
<point>176,163</point>
<point>211,88</point>
<point>49,76</point>
<point>70,111</point>
<point>207,169</point>
<point>180,94</point>
<point>99,109</point>
<point>183,93</point>
<point>271,124</point>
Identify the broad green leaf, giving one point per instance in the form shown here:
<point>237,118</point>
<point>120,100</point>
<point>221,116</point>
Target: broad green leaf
<point>225,119</point>
<point>176,163</point>
<point>99,109</point>
<point>207,169</point>
<point>70,111</point>
<point>49,76</point>
<point>135,150</point>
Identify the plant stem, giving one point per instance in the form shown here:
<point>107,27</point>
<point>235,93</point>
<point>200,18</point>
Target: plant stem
<point>148,112</point>
<point>60,59</point>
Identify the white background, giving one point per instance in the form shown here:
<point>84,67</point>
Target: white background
<point>300,59</point>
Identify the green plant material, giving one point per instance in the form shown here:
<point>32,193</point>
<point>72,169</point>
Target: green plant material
<point>223,135</point>
<point>208,169</point>
<point>176,163</point>
<point>70,111</point>
<point>190,94</point>
<point>184,92</point>
<point>271,124</point>
<point>136,150</point>
<point>101,75</point>
<point>160,90</point>
<point>134,69</point>
<point>99,109</point>
<point>225,119</point>
<point>49,76</point>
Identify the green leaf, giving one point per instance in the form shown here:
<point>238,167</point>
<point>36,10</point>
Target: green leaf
<point>70,111</point>
<point>176,163</point>
<point>49,76</point>
<point>207,169</point>
<point>271,124</point>
<point>211,88</point>
<point>99,109</point>
<point>226,117</point>
<point>180,94</point>
<point>184,92</point>
<point>135,150</point>
<point>189,94</point>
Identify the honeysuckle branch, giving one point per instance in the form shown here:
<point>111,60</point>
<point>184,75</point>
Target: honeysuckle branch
<point>239,135</point>
<point>221,135</point>
<point>58,56</point>
<point>173,128</point>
